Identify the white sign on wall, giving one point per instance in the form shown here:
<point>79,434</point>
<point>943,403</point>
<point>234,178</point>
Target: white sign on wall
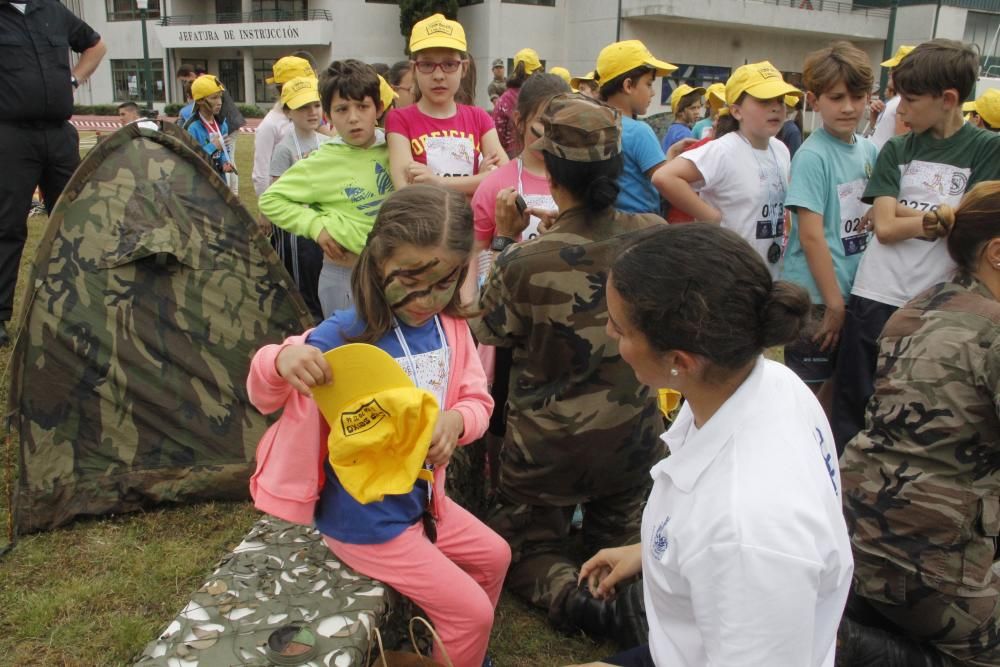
<point>281,33</point>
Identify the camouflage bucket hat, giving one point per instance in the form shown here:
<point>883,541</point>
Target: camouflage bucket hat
<point>577,128</point>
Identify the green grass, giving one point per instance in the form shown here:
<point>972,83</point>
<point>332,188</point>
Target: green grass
<point>96,592</point>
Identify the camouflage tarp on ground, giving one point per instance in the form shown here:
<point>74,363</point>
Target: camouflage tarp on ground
<point>151,289</point>
<point>279,575</point>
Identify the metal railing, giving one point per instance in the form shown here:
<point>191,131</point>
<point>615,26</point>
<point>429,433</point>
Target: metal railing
<point>264,16</point>
<point>835,6</point>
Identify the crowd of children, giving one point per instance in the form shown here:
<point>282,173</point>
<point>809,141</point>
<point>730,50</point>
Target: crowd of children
<point>431,230</point>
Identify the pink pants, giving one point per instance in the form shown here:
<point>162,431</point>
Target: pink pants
<point>456,580</point>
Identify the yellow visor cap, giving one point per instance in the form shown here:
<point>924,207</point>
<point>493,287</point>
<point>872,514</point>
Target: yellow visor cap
<point>988,107</point>
<point>380,423</point>
<point>761,80</point>
<point>529,58</point>
<point>576,80</point>
<point>205,85</point>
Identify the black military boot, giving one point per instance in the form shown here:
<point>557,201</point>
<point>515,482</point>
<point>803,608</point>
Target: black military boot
<point>623,618</point>
<point>864,646</point>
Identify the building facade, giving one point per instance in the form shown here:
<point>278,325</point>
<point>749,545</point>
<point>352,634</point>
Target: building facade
<point>239,40</point>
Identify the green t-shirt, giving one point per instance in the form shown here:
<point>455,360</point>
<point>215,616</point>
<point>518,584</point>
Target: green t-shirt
<point>829,178</point>
<point>922,172</point>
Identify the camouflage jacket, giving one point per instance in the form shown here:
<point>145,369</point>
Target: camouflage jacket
<point>922,481</point>
<point>579,424</point>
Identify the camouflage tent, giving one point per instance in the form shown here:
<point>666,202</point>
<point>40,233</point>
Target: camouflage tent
<point>150,292</point>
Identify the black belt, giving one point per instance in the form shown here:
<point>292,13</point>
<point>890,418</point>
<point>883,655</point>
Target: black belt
<point>34,124</point>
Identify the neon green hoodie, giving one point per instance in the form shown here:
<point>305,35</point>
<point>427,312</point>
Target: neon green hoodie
<point>338,187</point>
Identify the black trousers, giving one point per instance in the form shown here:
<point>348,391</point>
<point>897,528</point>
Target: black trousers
<point>34,154</point>
<point>857,359</point>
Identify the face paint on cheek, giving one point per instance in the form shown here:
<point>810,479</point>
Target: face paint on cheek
<point>420,306</point>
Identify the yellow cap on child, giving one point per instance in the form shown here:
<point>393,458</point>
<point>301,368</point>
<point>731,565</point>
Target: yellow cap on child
<point>716,94</point>
<point>205,85</point>
<point>620,57</point>
<point>288,68</point>
<point>436,31</point>
<point>529,58</point>
<point>563,74</point>
<point>988,107</point>
<point>385,93</point>
<point>761,80</point>
<point>680,92</point>
<point>300,91</point>
<point>901,53</point>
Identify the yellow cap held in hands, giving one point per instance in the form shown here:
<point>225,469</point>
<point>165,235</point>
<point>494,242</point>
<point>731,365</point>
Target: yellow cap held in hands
<point>380,423</point>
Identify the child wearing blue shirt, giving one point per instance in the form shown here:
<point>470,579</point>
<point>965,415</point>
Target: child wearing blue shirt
<point>626,71</point>
<point>829,221</point>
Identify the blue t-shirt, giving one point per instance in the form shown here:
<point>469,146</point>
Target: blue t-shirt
<point>699,128</point>
<point>675,133</point>
<point>640,152</point>
<point>186,111</point>
<point>338,514</point>
<point>829,177</point>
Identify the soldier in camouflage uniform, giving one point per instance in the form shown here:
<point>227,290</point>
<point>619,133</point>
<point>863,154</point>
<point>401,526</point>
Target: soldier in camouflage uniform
<point>922,481</point>
<point>580,427</point>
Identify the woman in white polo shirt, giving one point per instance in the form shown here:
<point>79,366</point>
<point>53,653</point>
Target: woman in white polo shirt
<point>745,555</point>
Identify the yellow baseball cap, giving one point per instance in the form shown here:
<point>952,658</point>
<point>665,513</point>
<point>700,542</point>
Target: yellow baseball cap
<point>760,80</point>
<point>575,81</point>
<point>436,31</point>
<point>205,85</point>
<point>988,107</point>
<point>385,93</point>
<point>620,57</point>
<point>679,92</point>
<point>380,423</point>
<point>530,59</point>
<point>288,68</point>
<point>791,101</point>
<point>969,106</point>
<point>563,74</point>
<point>901,53</point>
<point>716,94</point>
<point>300,91</point>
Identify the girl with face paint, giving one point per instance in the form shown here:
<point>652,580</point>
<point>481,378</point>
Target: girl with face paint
<point>406,302</point>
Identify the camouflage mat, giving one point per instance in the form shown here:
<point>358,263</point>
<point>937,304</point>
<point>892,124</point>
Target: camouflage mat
<point>280,574</point>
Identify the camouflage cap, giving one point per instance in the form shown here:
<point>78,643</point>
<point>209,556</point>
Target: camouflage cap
<point>579,129</point>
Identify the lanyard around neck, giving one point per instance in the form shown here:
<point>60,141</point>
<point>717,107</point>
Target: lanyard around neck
<point>409,356</point>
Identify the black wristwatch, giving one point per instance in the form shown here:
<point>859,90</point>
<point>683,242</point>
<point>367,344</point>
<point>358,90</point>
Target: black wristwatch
<point>500,243</point>
<point>73,80</point>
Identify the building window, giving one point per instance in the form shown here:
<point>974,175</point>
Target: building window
<point>981,30</point>
<point>231,76</point>
<point>263,91</point>
<point>694,75</point>
<point>128,80</point>
<point>540,3</point>
<point>270,10</point>
<point>126,10</point>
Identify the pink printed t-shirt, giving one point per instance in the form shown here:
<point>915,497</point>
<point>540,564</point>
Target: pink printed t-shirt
<point>449,146</point>
<point>484,201</point>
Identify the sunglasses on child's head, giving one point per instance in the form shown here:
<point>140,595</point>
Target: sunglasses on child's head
<point>428,67</point>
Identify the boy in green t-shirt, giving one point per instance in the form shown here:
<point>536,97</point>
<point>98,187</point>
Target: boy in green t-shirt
<point>933,164</point>
<point>334,194</point>
<point>829,221</point>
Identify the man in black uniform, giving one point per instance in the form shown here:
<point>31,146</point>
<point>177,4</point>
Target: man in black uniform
<point>39,146</point>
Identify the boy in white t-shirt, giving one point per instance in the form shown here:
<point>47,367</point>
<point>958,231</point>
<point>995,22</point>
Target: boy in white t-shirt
<point>742,178</point>
<point>934,164</point>
<point>829,221</point>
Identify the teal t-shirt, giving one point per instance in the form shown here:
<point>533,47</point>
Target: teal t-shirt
<point>699,128</point>
<point>829,177</point>
<point>640,152</point>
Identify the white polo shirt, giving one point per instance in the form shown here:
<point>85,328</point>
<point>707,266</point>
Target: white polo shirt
<point>745,554</point>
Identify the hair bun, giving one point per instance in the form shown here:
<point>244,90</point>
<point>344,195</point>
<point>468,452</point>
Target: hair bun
<point>939,222</point>
<point>785,313</point>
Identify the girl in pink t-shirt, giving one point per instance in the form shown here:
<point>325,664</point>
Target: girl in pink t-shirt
<point>438,140</point>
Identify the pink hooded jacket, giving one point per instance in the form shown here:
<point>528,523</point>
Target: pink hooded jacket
<point>290,456</point>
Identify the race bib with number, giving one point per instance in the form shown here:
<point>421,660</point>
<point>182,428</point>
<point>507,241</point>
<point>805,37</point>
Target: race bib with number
<point>451,156</point>
<point>771,221</point>
<point>853,234</point>
<point>924,186</point>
